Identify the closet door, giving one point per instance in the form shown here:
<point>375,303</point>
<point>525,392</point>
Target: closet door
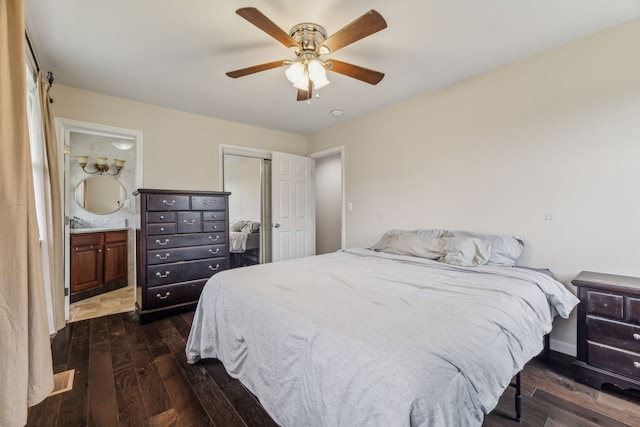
<point>293,206</point>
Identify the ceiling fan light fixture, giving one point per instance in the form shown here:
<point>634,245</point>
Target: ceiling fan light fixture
<point>302,83</point>
<point>320,82</point>
<point>316,70</point>
<point>295,72</point>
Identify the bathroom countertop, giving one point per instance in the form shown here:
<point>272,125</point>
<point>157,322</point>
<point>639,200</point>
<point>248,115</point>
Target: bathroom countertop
<point>95,230</point>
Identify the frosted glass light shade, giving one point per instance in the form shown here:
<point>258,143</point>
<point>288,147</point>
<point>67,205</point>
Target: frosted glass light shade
<point>119,163</point>
<point>101,160</point>
<point>83,160</point>
<point>302,83</point>
<point>295,72</point>
<point>316,70</point>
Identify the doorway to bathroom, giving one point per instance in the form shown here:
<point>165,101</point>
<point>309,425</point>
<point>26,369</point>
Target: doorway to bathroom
<point>103,166</point>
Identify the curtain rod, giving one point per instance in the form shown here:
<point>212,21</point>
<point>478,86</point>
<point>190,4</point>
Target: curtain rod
<point>33,54</point>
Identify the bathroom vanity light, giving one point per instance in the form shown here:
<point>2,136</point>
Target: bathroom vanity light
<point>101,165</point>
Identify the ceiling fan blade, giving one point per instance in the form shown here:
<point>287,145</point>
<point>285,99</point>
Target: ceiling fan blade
<point>258,19</point>
<point>363,74</point>
<point>369,23</point>
<point>255,69</point>
<point>305,95</point>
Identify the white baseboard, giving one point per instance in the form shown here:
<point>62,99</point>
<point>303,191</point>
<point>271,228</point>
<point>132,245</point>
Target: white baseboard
<point>563,347</point>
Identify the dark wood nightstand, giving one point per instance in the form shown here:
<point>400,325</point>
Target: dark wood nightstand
<point>608,330</point>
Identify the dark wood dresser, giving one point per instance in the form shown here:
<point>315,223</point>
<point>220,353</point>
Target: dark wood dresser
<point>608,330</point>
<point>182,240</point>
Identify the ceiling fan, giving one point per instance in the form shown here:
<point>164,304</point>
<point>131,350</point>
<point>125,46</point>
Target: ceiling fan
<point>309,41</point>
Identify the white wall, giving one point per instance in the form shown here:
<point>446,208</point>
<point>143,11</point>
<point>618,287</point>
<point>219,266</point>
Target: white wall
<point>557,134</point>
<point>328,203</point>
<point>181,150</point>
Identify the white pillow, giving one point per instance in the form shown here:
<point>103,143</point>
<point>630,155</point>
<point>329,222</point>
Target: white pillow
<point>412,244</point>
<point>465,251</point>
<point>426,233</point>
<point>462,251</point>
<point>505,250</point>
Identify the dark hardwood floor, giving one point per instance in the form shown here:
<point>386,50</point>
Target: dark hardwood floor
<point>128,374</point>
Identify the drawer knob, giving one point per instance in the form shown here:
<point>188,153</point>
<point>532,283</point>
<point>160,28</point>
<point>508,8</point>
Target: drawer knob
<point>161,228</point>
<point>636,364</point>
<point>214,269</point>
<point>162,257</point>
<point>193,221</point>
<point>162,243</point>
<point>218,250</point>
<point>214,238</point>
<point>171,203</point>
<point>162,275</point>
<point>636,337</point>
<point>214,216</point>
<point>161,216</point>
<point>166,295</point>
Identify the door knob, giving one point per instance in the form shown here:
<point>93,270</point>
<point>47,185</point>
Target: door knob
<point>276,225</point>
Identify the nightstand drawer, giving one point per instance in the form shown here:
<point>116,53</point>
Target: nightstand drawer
<point>622,362</point>
<point>633,310</point>
<point>615,334</point>
<point>606,305</point>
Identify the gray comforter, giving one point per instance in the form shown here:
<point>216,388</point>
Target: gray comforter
<point>360,338</point>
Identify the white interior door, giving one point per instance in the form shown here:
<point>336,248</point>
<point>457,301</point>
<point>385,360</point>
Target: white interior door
<point>293,206</point>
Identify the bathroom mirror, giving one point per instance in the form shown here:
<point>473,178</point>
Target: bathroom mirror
<point>100,194</point>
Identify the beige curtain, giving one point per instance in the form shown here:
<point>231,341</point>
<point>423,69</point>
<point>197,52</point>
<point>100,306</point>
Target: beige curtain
<point>26,371</point>
<point>53,200</point>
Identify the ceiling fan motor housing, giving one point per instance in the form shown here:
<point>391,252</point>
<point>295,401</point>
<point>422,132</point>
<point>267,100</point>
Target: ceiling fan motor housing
<point>309,36</point>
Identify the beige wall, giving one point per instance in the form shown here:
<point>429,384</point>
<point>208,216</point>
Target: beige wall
<point>557,134</point>
<point>181,150</point>
<point>328,181</point>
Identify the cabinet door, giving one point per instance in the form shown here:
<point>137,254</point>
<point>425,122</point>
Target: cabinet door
<point>115,262</point>
<point>86,267</point>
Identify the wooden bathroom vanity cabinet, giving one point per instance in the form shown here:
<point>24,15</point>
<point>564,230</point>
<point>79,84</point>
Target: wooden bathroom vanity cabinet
<point>98,263</point>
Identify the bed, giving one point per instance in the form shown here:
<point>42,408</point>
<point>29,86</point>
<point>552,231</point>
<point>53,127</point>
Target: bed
<point>371,337</point>
<point>244,242</point>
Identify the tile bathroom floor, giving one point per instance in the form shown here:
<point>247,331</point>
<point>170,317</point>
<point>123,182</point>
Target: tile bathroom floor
<point>118,301</point>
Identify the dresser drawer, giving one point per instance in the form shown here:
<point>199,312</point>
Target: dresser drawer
<point>208,203</point>
<point>163,256</point>
<point>161,217</point>
<point>622,362</point>
<point>606,305</point>
<point>189,222</point>
<point>167,202</point>
<point>183,240</point>
<point>633,310</point>
<point>209,226</point>
<point>615,334</point>
<point>168,295</point>
<point>155,229</point>
<point>213,216</point>
<point>164,274</point>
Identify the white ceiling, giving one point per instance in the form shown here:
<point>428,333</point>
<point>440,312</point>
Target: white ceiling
<point>175,53</point>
